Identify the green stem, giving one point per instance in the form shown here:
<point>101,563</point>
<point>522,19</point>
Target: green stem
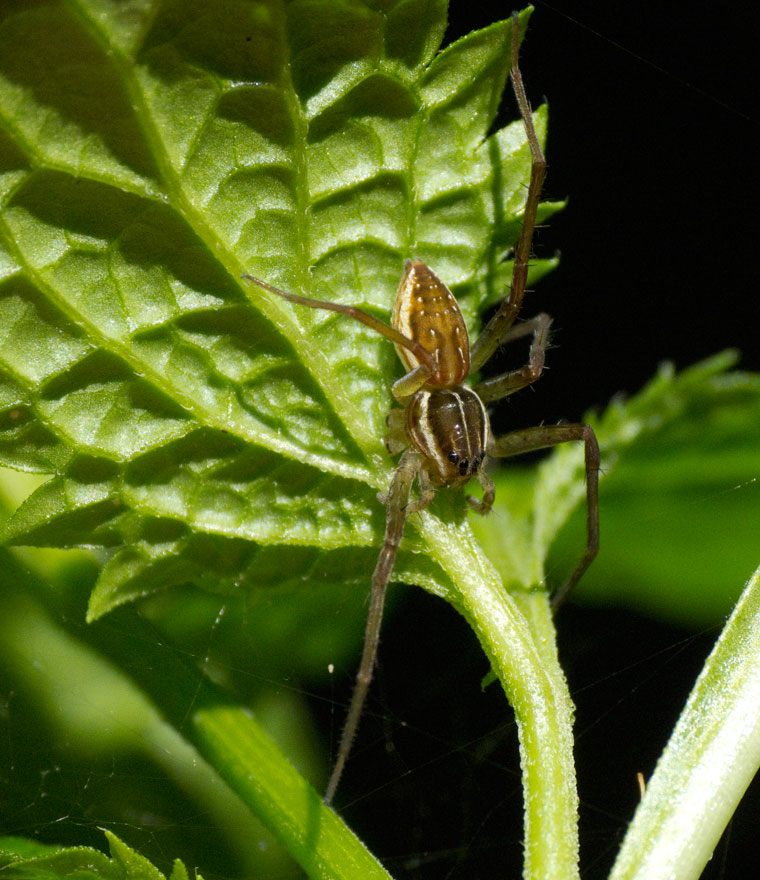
<point>518,638</point>
<point>711,758</point>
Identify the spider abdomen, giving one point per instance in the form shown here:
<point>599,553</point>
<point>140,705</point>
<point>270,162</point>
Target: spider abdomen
<point>449,426</point>
<point>426,311</point>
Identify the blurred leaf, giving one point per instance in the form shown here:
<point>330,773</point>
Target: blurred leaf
<point>682,507</point>
<point>98,694</point>
<point>679,499</point>
<point>28,860</point>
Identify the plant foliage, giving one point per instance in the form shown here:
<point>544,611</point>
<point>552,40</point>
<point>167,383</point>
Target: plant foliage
<point>196,432</point>
<point>26,860</point>
<point>194,425</point>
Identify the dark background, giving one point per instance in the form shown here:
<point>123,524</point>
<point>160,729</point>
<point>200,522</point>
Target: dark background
<point>653,139</point>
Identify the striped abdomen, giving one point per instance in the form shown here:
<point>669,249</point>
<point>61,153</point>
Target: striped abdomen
<point>426,311</point>
<point>449,426</point>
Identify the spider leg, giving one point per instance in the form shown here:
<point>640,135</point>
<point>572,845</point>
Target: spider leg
<point>541,437</point>
<point>411,382</point>
<point>507,383</point>
<point>427,493</point>
<point>426,360</point>
<point>398,508</point>
<point>493,334</point>
<point>489,491</point>
<point>396,440</point>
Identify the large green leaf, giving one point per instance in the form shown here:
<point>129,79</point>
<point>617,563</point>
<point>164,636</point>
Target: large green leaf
<point>154,152</point>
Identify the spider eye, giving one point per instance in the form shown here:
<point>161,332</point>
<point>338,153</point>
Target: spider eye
<point>453,457</point>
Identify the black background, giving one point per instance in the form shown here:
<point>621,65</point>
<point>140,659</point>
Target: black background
<point>653,139</point>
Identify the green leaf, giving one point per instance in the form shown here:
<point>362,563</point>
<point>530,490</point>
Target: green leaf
<point>130,863</point>
<point>28,860</point>
<point>193,424</point>
<point>190,420</point>
<point>672,454</point>
<point>688,492</point>
<point>681,464</point>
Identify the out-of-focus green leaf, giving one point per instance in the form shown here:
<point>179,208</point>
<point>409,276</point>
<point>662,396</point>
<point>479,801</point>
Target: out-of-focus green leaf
<point>682,506</point>
<point>22,859</point>
<point>160,712</point>
<point>679,499</point>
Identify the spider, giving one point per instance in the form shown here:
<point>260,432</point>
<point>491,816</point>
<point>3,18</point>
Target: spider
<point>442,430</point>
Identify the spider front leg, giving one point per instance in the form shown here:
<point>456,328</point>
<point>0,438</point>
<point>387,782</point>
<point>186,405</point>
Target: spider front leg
<point>542,437</point>
<point>398,508</point>
<point>406,385</point>
<point>489,493</point>
<point>498,327</point>
<point>507,383</point>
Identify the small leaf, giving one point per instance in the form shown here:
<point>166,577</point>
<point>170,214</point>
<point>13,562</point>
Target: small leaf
<point>29,860</point>
<point>132,865</point>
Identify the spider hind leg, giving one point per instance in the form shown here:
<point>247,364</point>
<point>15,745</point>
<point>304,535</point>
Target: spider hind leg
<point>543,437</point>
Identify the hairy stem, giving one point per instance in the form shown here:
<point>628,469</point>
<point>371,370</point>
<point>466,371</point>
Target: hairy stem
<point>518,639</point>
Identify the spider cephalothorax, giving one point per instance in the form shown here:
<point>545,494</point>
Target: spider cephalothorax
<point>449,426</point>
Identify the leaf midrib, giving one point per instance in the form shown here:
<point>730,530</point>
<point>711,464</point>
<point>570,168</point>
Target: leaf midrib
<point>281,315</point>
